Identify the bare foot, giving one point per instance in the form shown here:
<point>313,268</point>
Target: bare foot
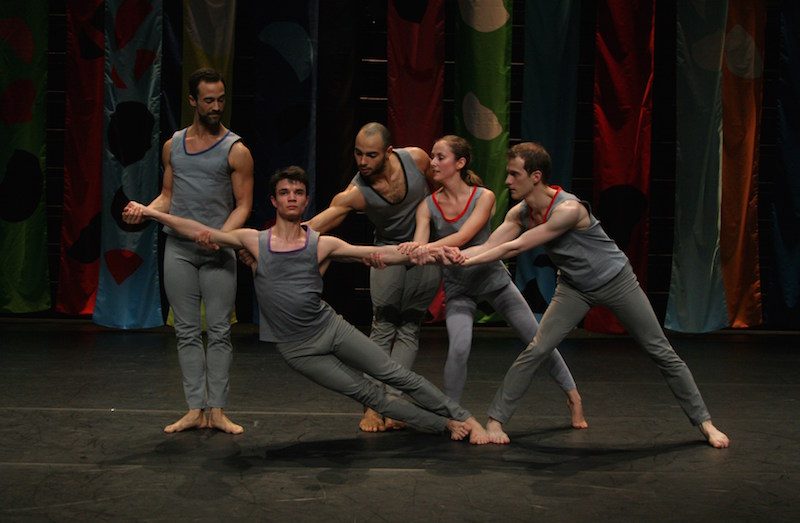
<point>393,424</point>
<point>372,422</point>
<point>477,434</point>
<point>194,419</point>
<point>576,408</point>
<point>218,420</point>
<point>458,429</point>
<point>715,438</point>
<point>495,431</point>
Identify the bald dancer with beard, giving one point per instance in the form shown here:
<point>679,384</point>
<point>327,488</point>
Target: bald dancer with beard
<point>389,185</point>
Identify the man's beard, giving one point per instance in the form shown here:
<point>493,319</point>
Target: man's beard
<point>207,121</point>
<point>378,169</point>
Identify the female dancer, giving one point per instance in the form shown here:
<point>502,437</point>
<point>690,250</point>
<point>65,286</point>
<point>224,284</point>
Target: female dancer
<point>457,214</point>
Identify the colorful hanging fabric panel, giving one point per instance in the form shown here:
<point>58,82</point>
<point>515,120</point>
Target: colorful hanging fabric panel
<point>549,101</point>
<point>285,39</point>
<point>483,90</point>
<point>696,301</point>
<point>209,30</point>
<point>24,274</point>
<point>128,294</point>
<point>415,52</point>
<point>783,307</point>
<point>623,107</point>
<point>83,158</point>
<point>415,82</point>
<point>742,85</point>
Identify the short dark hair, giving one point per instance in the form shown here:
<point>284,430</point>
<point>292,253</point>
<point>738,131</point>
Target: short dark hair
<point>205,74</point>
<point>535,158</point>
<point>374,128</point>
<point>292,172</point>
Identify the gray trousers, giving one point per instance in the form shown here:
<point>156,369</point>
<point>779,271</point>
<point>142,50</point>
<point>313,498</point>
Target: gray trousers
<point>625,299</point>
<point>192,275</point>
<point>401,296</point>
<point>337,358</point>
<point>509,303</point>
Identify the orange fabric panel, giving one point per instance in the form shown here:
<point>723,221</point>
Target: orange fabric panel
<point>742,85</point>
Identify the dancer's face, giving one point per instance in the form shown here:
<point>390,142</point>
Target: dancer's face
<point>210,103</point>
<point>291,199</point>
<point>518,181</point>
<point>370,154</point>
<point>444,163</point>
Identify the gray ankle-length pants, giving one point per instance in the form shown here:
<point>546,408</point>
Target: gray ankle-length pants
<point>192,275</point>
<point>400,297</point>
<point>625,299</point>
<point>510,304</point>
<point>337,358</point>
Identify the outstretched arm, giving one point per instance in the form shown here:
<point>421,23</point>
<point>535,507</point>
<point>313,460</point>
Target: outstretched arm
<point>238,238</point>
<point>507,231</point>
<point>564,218</point>
<point>335,249</point>
<point>342,204</point>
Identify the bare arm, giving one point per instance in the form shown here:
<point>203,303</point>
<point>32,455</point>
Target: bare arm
<point>241,163</point>
<point>163,201</point>
<point>564,218</point>
<point>422,229</point>
<point>342,204</point>
<point>507,231</point>
<point>237,238</point>
<point>335,249</point>
<point>476,221</point>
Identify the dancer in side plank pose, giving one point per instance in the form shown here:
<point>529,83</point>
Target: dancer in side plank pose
<point>309,335</point>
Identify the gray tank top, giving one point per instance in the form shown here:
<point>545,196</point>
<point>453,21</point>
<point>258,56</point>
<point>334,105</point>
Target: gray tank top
<point>466,281</point>
<point>585,259</point>
<point>395,222</point>
<point>201,185</point>
<point>289,290</point>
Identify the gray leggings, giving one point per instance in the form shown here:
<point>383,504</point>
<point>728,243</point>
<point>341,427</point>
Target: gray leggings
<point>192,275</point>
<point>625,299</point>
<point>510,304</point>
<point>401,296</point>
<point>339,355</point>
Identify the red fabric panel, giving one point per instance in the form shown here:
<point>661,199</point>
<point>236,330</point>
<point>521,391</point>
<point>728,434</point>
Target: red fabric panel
<point>83,170</point>
<point>622,133</point>
<point>742,83</point>
<point>415,49</point>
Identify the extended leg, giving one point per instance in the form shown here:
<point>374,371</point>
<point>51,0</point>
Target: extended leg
<point>511,305</point>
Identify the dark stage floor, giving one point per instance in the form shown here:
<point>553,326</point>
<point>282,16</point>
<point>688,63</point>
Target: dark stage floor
<point>83,409</point>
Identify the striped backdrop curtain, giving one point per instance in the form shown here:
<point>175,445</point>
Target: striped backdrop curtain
<point>415,72</point>
<point>696,301</point>
<point>24,273</point>
<point>128,294</point>
<point>549,102</point>
<point>742,85</point>
<point>83,158</point>
<point>623,108</point>
<point>483,90</point>
<point>783,310</point>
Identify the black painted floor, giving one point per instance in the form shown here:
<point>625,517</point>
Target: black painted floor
<point>83,410</point>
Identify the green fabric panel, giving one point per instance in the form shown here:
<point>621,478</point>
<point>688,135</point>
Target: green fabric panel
<point>483,91</point>
<point>24,272</point>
